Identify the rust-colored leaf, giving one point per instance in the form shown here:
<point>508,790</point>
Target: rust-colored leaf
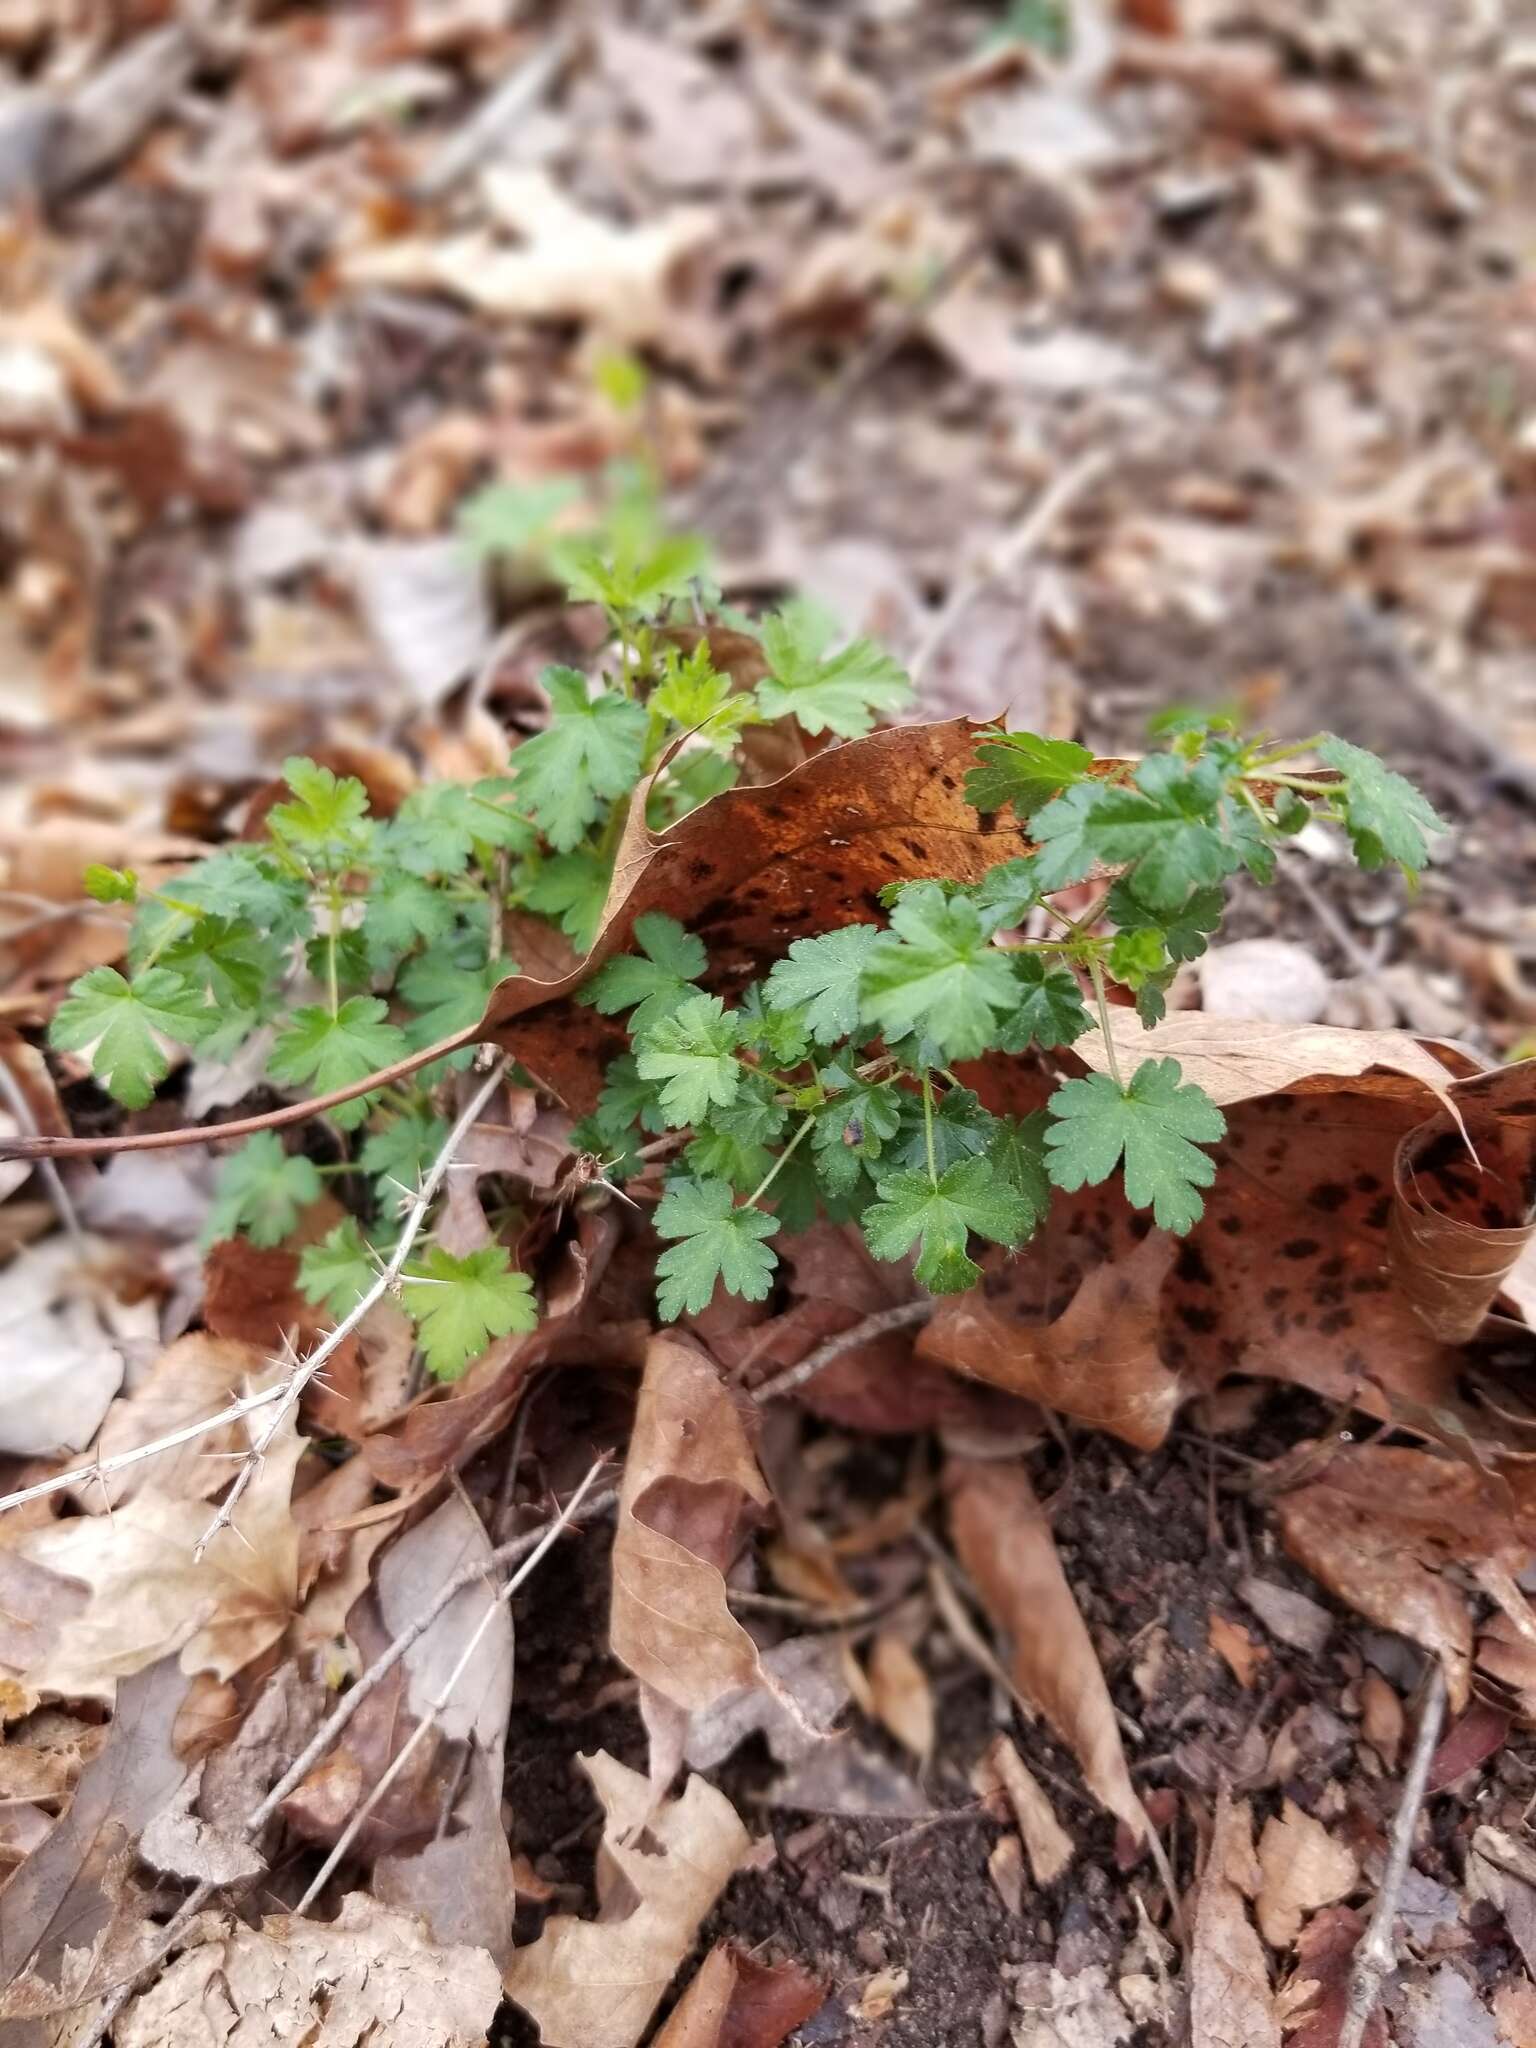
<point>1314,1998</point>
<point>737,2002</point>
<point>1376,1525</point>
<point>757,868</point>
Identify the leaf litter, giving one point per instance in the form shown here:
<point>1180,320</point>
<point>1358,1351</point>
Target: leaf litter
<point>417,253</point>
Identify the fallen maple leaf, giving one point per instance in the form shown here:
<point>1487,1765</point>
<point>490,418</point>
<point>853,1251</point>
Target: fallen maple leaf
<point>1004,1541</point>
<point>595,1983</point>
<point>369,1974</point>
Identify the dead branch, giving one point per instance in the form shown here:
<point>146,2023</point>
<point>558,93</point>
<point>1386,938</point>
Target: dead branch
<point>902,1317</point>
<point>1376,1957</point>
<point>530,1543</point>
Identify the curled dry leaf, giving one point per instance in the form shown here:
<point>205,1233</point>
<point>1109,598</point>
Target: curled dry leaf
<point>1230,2005</point>
<point>737,2002</point>
<point>691,1491</point>
<point>367,1975</point>
<point>1376,1525</point>
<point>1301,1867</point>
<point>1461,1222</point>
<point>150,1596</point>
<point>1004,1541</point>
<point>71,1922</point>
<point>595,1983</point>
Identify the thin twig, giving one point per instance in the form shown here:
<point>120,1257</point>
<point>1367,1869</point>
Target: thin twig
<point>47,1172</point>
<point>305,1368</point>
<point>437,1705</point>
<point>1376,1957</point>
<point>332,1727</point>
<point>901,1317</point>
<point>49,1147</point>
<point>1033,529</point>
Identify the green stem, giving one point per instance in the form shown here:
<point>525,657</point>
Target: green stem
<point>1308,785</point>
<point>333,905</point>
<point>933,1164</point>
<point>772,1174</point>
<point>1096,975</point>
<point>1259,766</point>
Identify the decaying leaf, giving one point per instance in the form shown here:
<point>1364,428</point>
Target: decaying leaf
<point>1004,1541</point>
<point>1230,2004</point>
<point>691,1491</point>
<point>1376,1525</point>
<point>1311,2003</point>
<point>1099,1361</point>
<point>71,1921</point>
<point>150,1595</point>
<point>1301,1867</point>
<point>736,2001</point>
<point>756,868</point>
<point>595,1983</point>
<point>367,1975</point>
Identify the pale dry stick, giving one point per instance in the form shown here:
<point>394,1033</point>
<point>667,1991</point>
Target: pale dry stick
<point>47,1172</point>
<point>1059,495</point>
<point>445,1693</point>
<point>1376,1957</point>
<point>902,1317</point>
<point>388,1278</point>
<point>332,1727</point>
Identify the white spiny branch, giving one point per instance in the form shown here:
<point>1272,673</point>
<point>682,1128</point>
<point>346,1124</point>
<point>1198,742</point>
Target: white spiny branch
<point>282,1392</point>
<point>290,1389</point>
<point>531,1544</point>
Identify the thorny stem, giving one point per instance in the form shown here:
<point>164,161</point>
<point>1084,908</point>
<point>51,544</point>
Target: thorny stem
<point>428,1720</point>
<point>328,1731</point>
<point>333,908</point>
<point>1096,975</point>
<point>772,1174</point>
<point>288,1391</point>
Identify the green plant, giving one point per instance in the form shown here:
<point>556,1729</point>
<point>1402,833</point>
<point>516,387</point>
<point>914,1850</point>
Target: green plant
<point>827,1088</point>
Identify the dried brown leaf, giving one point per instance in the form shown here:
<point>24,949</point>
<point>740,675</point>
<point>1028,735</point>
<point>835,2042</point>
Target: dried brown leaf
<point>1312,2001</point>
<point>595,1983</point>
<point>691,1491</point>
<point>1004,1541</point>
<point>1301,1867</point>
<point>903,1698</point>
<point>150,1596</point>
<point>1376,1525</point>
<point>736,2001</point>
<point>369,1974</point>
<point>1230,2003</point>
<point>1049,1845</point>
<point>70,1921</point>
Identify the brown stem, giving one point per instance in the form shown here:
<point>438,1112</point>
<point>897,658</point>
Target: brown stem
<point>884,1320</point>
<point>46,1147</point>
